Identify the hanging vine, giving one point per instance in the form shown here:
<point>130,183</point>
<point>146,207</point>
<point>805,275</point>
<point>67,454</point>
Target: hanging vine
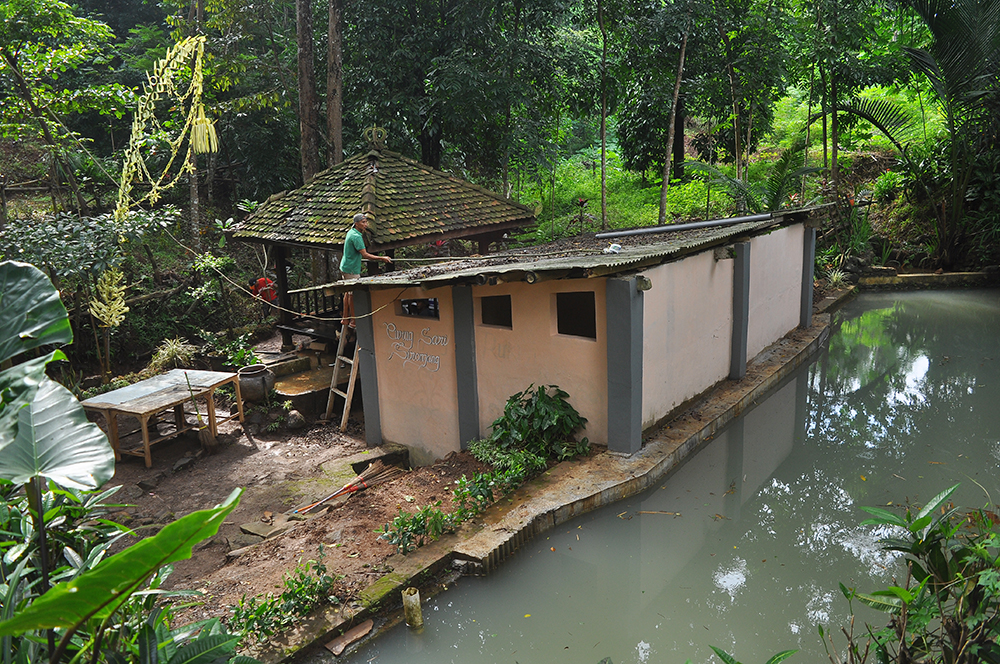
<point>183,62</point>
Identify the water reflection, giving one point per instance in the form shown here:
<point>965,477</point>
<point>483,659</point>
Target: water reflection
<point>743,546</point>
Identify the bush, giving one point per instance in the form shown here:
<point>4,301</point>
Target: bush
<point>541,423</point>
<point>948,607</point>
<point>306,588</point>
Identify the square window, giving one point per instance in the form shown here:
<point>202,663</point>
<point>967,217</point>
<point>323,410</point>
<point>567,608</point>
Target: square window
<point>424,308</point>
<point>576,314</point>
<point>496,311</point>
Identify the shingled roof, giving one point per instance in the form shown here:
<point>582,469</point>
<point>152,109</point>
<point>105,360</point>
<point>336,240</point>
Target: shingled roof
<point>408,201</point>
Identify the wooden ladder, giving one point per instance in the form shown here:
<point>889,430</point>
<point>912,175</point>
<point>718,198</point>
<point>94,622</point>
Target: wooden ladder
<point>334,387</point>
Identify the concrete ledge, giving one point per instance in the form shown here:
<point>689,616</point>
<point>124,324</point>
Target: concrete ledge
<point>929,281</point>
<point>567,490</point>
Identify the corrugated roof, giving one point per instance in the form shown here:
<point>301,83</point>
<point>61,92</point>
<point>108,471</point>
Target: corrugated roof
<point>410,203</point>
<point>574,258</point>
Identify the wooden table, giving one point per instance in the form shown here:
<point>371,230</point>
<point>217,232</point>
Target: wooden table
<point>149,397</point>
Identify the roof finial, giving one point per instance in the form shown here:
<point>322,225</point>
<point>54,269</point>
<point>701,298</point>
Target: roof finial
<point>376,137</point>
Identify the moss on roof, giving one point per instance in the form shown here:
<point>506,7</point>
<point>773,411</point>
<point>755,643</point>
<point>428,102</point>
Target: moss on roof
<point>409,203</point>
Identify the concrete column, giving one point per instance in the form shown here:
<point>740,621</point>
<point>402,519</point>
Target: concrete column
<point>624,339</point>
<point>366,367</point>
<point>741,311</point>
<point>465,364</point>
<point>808,263</point>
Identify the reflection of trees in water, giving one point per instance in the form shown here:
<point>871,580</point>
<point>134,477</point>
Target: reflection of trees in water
<point>894,373</point>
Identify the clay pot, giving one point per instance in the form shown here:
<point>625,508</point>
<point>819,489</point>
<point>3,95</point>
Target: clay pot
<point>256,381</point>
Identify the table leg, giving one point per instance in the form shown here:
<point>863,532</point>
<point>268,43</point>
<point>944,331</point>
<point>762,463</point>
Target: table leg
<point>213,428</point>
<point>179,420</point>
<point>239,399</point>
<point>112,419</point>
<point>144,422</point>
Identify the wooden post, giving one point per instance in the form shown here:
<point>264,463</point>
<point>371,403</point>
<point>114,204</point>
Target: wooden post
<point>284,301</point>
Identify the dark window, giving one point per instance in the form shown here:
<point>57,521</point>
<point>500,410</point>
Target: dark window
<point>496,311</point>
<point>425,308</point>
<point>576,314</point>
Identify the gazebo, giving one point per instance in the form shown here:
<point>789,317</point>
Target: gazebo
<point>409,203</point>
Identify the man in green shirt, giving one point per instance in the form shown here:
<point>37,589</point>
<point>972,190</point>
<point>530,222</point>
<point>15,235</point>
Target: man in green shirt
<point>350,264</point>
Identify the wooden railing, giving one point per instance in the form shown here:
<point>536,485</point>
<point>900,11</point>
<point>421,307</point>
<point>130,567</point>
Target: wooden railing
<point>313,301</point>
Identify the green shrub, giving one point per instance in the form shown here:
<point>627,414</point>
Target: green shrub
<point>946,607</point>
<point>887,185</point>
<point>171,354</point>
<point>540,421</point>
<point>409,531</point>
<point>306,588</point>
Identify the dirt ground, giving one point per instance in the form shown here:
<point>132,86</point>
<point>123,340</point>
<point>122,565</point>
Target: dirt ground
<point>278,471</point>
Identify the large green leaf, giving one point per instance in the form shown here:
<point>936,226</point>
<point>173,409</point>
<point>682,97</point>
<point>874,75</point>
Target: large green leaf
<point>99,592</point>
<point>31,313</point>
<point>43,430</point>
<point>18,386</point>
<point>205,649</point>
<point>56,441</point>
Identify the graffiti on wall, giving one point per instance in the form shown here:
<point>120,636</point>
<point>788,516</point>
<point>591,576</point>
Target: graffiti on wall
<point>415,348</point>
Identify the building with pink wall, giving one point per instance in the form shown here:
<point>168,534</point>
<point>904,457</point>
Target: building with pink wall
<point>631,335</point>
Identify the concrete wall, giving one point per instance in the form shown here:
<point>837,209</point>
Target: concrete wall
<point>775,286</point>
<point>687,322</point>
<point>532,351</point>
<point>415,361</point>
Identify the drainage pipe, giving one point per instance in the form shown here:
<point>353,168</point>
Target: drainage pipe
<point>686,227</point>
<point>411,609</point>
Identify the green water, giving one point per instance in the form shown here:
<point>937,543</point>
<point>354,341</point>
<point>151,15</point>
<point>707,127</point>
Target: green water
<point>901,405</point>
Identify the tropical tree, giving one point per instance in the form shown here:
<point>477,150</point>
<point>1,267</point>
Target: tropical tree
<point>41,43</point>
<point>963,66</point>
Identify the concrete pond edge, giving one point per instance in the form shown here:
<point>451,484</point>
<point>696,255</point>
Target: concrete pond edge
<point>576,487</point>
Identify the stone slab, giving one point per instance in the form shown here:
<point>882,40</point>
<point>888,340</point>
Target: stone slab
<point>350,636</point>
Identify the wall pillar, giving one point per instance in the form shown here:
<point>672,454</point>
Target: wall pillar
<point>624,340</point>
<point>367,368</point>
<point>465,364</point>
<point>741,311</point>
<point>284,301</point>
<point>808,263</point>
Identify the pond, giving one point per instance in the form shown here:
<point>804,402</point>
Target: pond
<point>744,545</point>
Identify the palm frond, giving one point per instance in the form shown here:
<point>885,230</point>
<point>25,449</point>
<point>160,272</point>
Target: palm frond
<point>884,115</point>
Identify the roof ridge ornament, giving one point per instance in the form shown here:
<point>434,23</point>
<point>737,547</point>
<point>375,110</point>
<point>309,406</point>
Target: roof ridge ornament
<point>376,137</point>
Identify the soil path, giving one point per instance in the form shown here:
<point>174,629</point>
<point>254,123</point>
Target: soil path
<point>278,470</point>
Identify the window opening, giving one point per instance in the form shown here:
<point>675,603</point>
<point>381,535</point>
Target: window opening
<point>576,314</point>
<point>496,311</point>
<point>424,308</point>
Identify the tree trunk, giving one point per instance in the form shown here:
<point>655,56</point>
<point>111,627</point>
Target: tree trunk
<point>679,153</point>
<point>604,115</point>
<point>335,86</point>
<point>308,104</point>
<point>735,97</point>
<point>667,161</point>
<point>835,135</point>
<point>195,223</point>
<point>825,108</point>
<point>431,150</point>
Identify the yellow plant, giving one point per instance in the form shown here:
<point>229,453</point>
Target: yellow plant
<point>109,308</point>
<point>185,57</point>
